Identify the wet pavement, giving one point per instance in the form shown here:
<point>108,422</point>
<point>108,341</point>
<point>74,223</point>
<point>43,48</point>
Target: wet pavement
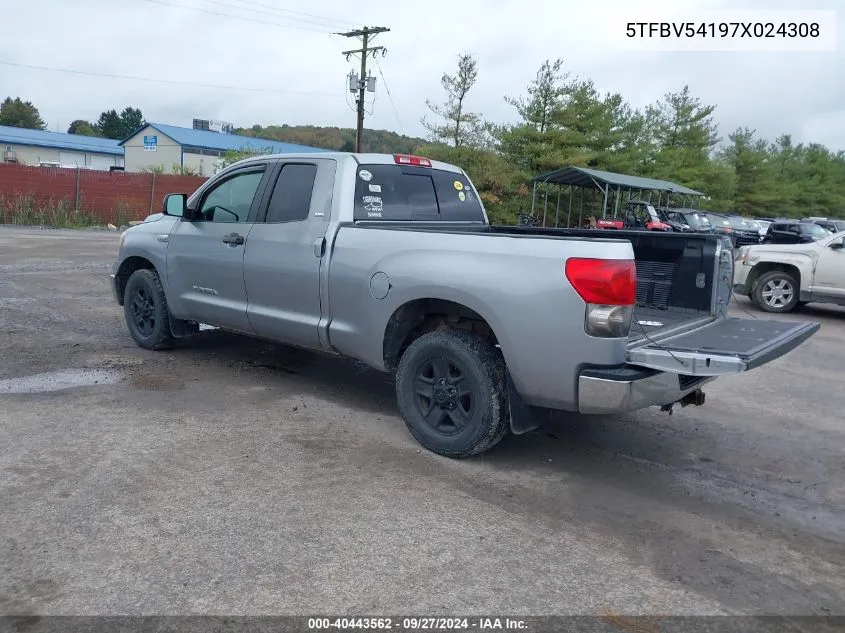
<point>234,476</point>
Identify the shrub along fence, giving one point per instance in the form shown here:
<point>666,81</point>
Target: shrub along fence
<point>62,196</point>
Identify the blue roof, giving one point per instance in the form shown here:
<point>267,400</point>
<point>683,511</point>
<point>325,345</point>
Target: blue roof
<point>41,138</point>
<point>204,139</point>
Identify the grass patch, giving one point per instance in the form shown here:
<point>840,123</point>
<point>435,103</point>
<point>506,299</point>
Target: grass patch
<point>26,210</point>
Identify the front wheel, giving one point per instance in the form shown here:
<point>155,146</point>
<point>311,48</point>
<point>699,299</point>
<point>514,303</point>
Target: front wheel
<point>451,391</point>
<point>145,309</point>
<point>776,291</point>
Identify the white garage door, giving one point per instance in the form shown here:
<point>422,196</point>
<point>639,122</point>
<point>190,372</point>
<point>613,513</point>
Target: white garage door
<point>72,159</point>
<point>101,162</point>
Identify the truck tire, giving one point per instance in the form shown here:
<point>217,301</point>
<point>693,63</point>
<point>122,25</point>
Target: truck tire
<point>451,389</point>
<point>776,291</point>
<point>145,310</point>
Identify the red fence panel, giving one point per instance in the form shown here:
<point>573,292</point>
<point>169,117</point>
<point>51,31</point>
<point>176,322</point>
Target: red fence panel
<point>109,196</point>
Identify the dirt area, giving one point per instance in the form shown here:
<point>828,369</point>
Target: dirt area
<point>232,476</point>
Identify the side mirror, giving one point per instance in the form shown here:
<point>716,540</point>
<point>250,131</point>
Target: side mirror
<point>175,204</point>
<point>837,245</point>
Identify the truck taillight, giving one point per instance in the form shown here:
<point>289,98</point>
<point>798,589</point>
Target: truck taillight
<point>607,281</point>
<point>407,159</point>
<point>609,288</point>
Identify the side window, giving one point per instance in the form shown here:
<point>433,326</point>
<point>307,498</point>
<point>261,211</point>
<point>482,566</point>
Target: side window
<point>231,200</point>
<point>291,199</point>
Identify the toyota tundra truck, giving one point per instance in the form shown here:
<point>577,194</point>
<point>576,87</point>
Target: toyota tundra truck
<point>391,260</point>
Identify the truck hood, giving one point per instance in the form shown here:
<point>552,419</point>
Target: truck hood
<point>157,222</point>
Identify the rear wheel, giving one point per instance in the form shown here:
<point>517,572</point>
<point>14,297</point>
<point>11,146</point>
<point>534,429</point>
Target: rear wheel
<point>145,310</point>
<point>776,291</point>
<point>451,391</point>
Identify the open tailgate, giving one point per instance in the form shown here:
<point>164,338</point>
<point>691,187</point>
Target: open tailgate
<point>727,346</point>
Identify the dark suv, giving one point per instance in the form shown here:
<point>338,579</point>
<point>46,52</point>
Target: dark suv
<point>740,231</point>
<point>793,232</point>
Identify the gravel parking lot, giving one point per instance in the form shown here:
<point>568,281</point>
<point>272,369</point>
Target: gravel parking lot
<point>233,476</point>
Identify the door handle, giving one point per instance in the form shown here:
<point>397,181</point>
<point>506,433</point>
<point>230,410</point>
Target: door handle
<point>233,239</point>
<point>319,247</point>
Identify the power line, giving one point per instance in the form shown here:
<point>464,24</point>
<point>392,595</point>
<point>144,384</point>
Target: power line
<point>390,96</point>
<point>309,15</point>
<point>235,17</point>
<point>167,81</point>
<point>241,8</point>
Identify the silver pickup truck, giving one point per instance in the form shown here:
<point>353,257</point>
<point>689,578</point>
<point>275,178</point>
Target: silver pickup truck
<point>391,260</point>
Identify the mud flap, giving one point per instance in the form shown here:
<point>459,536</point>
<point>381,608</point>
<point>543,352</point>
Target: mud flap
<point>728,346</point>
<point>523,417</point>
<point>181,329</point>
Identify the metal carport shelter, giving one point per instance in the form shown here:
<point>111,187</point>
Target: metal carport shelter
<point>606,183</point>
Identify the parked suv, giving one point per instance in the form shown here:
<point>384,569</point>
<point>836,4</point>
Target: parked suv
<point>740,231</point>
<point>834,226</point>
<point>794,233</point>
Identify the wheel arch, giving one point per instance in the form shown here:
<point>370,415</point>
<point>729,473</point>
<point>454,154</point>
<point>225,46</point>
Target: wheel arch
<point>767,267</point>
<point>125,270</point>
<point>416,317</point>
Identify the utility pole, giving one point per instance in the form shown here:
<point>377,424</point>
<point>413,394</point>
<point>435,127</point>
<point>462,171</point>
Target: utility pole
<point>360,85</point>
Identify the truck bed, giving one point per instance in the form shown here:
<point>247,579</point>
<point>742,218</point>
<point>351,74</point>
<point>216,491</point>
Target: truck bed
<point>675,271</point>
<point>675,275</point>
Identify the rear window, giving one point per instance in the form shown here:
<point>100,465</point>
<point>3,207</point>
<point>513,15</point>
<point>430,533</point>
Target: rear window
<point>402,193</point>
<point>740,224</point>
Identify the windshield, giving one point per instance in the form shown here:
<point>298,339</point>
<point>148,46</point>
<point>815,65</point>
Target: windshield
<point>754,224</point>
<point>694,220</point>
<point>814,230</point>
<point>740,224</point>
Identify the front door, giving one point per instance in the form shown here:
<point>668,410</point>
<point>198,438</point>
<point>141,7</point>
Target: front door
<point>829,277</point>
<point>283,258</point>
<point>205,257</point>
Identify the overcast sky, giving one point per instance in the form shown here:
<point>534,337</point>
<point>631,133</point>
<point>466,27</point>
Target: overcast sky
<point>275,48</point>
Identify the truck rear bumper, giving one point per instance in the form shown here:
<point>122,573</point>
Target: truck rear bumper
<point>629,388</point>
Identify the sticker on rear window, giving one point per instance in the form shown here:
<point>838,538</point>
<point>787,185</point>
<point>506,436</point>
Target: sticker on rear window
<point>459,185</point>
<point>375,188</point>
<point>365,175</point>
<point>462,196</point>
<point>372,203</point>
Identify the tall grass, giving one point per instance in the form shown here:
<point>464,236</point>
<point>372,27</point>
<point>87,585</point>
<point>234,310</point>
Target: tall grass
<point>25,209</point>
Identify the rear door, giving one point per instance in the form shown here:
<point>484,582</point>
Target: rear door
<point>727,346</point>
<point>285,252</point>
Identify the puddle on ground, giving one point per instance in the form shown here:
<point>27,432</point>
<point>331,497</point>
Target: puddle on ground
<point>57,380</point>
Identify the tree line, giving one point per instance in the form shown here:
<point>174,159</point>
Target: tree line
<point>564,120</point>
<point>111,124</point>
